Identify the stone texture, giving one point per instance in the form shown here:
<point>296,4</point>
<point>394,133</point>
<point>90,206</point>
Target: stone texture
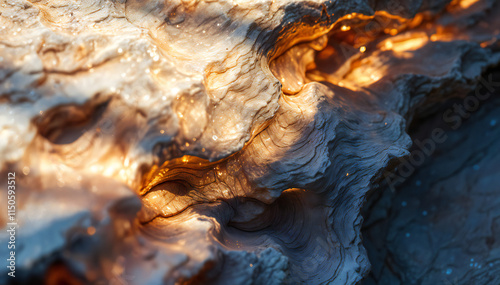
<point>441,224</point>
<point>217,142</point>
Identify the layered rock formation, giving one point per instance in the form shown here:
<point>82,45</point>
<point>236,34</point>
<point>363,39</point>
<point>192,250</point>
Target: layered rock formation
<point>217,142</point>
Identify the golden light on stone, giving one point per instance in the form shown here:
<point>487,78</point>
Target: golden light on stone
<point>199,137</point>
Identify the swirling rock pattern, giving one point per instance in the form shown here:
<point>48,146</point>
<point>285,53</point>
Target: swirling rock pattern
<point>217,142</point>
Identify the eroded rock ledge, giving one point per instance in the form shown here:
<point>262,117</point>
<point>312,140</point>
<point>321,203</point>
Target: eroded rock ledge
<point>217,142</point>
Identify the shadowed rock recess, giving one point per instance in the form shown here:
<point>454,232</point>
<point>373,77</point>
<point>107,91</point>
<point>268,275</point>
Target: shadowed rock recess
<point>441,225</point>
<point>235,142</point>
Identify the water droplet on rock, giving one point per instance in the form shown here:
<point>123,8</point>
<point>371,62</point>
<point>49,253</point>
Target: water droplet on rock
<point>176,17</point>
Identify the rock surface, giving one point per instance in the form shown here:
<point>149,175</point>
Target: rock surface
<point>441,225</point>
<point>217,142</point>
